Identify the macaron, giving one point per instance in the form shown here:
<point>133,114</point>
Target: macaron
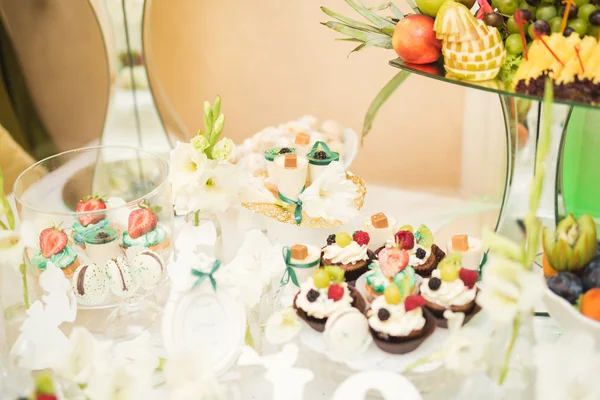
<point>90,284</point>
<point>149,267</point>
<point>123,283</point>
<point>347,334</point>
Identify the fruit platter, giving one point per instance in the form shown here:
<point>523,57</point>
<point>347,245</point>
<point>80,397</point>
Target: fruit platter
<point>505,46</point>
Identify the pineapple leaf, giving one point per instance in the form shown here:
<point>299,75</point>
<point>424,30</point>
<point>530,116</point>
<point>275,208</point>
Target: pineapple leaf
<point>350,22</point>
<point>358,48</point>
<point>380,99</point>
<point>414,7</point>
<point>375,19</point>
<point>399,14</point>
<point>349,39</point>
<point>355,33</point>
<point>388,30</point>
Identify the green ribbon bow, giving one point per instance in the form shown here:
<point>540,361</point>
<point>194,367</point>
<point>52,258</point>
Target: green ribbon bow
<point>331,155</point>
<point>202,275</point>
<point>289,268</point>
<point>298,210</point>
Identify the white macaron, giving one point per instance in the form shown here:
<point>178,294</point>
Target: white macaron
<point>90,284</point>
<point>149,268</point>
<point>123,282</point>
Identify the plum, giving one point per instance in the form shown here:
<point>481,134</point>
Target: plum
<point>567,285</point>
<point>590,277</point>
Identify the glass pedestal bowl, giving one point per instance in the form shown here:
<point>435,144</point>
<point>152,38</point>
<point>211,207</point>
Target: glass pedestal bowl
<point>115,249</point>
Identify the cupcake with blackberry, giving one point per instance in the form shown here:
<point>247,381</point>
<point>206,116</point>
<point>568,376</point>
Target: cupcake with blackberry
<point>350,253</point>
<point>391,269</point>
<point>397,326</point>
<point>424,255</point>
<point>324,294</point>
<point>319,159</point>
<point>450,287</point>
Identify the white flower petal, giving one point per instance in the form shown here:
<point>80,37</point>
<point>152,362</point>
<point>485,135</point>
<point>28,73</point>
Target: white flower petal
<point>11,249</point>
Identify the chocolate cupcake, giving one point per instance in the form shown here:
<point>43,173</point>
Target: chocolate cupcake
<point>402,327</point>
<point>350,253</point>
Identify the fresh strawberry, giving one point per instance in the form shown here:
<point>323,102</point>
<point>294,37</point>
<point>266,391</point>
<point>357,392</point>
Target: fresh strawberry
<point>469,277</point>
<point>90,203</point>
<point>52,241</point>
<point>405,239</point>
<point>45,396</point>
<point>361,237</point>
<point>413,301</point>
<point>142,221</point>
<point>335,292</point>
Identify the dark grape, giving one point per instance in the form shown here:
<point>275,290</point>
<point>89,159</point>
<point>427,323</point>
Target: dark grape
<point>493,19</point>
<point>542,27</point>
<point>585,11</point>
<point>595,18</point>
<point>568,31</point>
<point>527,15</point>
<point>533,3</point>
<point>572,12</point>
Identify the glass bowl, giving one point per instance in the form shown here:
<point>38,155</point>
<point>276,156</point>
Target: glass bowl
<point>112,250</point>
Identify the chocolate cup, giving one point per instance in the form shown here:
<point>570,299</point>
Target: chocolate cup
<point>443,322</point>
<point>470,310</point>
<point>318,324</point>
<point>351,272</point>
<point>405,344</point>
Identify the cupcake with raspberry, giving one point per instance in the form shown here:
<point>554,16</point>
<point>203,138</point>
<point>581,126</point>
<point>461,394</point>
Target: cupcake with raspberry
<point>324,294</point>
<point>397,326</point>
<point>54,247</point>
<point>424,255</point>
<point>391,269</point>
<point>88,225</point>
<point>450,287</point>
<point>349,253</point>
<point>319,159</point>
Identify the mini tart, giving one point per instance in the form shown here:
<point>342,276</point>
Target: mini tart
<point>318,324</point>
<point>424,270</point>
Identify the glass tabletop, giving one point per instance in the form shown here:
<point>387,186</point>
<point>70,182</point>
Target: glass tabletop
<point>437,71</point>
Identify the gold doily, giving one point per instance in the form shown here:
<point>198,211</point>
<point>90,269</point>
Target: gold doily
<point>285,213</point>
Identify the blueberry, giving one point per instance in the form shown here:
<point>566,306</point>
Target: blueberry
<point>590,277</point>
<point>312,295</point>
<point>567,285</point>
<point>383,314</point>
<point>434,283</point>
<point>285,150</point>
<point>420,253</point>
<point>331,239</point>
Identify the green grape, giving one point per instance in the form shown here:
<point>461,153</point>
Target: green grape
<point>585,11</point>
<point>321,279</point>
<point>392,294</point>
<point>579,25</point>
<point>548,1</point>
<point>343,239</point>
<point>546,12</point>
<point>593,30</point>
<point>511,25</point>
<point>555,24</point>
<point>526,6</point>
<point>514,44</point>
<point>507,7</point>
<point>579,3</point>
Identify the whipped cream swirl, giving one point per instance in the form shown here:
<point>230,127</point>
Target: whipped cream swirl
<point>449,293</point>
<point>350,254</point>
<point>322,307</point>
<point>400,323</point>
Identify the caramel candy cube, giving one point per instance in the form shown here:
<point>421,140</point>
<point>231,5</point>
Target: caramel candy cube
<point>460,242</point>
<point>302,139</point>
<point>299,251</point>
<point>290,161</point>
<point>379,221</point>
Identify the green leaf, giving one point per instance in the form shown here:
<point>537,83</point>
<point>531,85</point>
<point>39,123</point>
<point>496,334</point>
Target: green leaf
<point>380,99</point>
<point>388,30</point>
<point>399,14</point>
<point>355,33</point>
<point>414,6</point>
<point>358,48</point>
<point>533,227</point>
<point>219,123</point>
<point>216,109</point>
<point>498,244</point>
<point>375,19</point>
<point>350,22</point>
<point>544,139</point>
<point>208,121</point>
<point>535,189</point>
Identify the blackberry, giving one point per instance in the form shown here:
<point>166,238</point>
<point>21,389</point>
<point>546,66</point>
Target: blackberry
<point>434,283</point>
<point>102,237</point>
<point>331,239</point>
<point>285,150</point>
<point>383,314</point>
<point>312,295</point>
<point>421,253</point>
<point>320,155</point>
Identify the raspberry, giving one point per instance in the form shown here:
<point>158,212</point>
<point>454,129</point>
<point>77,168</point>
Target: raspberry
<point>383,314</point>
<point>413,301</point>
<point>284,150</point>
<point>312,295</point>
<point>320,155</point>
<point>405,239</point>
<point>335,292</point>
<point>435,283</point>
<point>331,239</point>
<point>469,277</point>
<point>421,253</point>
<point>362,238</point>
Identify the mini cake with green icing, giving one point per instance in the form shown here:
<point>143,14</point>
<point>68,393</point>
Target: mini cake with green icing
<point>391,269</point>
<point>54,247</point>
<point>89,223</point>
<point>143,229</point>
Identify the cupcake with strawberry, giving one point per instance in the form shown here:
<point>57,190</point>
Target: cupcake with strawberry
<point>424,255</point>
<point>143,229</point>
<point>89,224</point>
<point>324,294</point>
<point>450,287</point>
<point>391,269</point>
<point>54,247</point>
<point>398,325</point>
<point>350,253</point>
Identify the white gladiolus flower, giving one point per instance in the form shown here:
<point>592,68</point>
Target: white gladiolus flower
<point>282,326</point>
<point>11,249</point>
<point>223,149</point>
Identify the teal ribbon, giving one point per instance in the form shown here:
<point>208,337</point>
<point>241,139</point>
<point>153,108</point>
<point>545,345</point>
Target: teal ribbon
<point>202,275</point>
<point>298,210</point>
<point>289,267</point>
<point>331,155</point>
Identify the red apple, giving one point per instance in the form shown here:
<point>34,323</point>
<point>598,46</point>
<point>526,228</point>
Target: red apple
<point>414,40</point>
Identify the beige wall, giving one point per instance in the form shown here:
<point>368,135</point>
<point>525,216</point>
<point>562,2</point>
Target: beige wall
<point>270,60</point>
